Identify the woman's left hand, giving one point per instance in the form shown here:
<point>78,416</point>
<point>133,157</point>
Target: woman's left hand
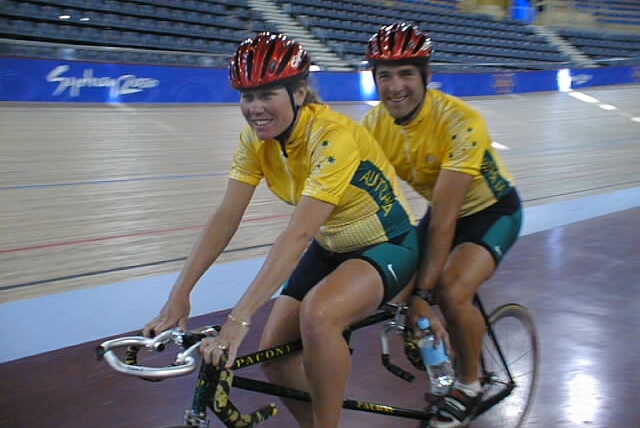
<point>226,343</point>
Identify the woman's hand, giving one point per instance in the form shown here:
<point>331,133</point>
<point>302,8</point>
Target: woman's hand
<point>419,308</point>
<point>174,312</point>
<point>227,342</point>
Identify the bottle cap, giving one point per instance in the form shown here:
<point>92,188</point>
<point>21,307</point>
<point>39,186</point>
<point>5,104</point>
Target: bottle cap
<point>423,324</point>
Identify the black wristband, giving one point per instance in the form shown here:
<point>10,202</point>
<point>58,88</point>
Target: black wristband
<point>425,295</point>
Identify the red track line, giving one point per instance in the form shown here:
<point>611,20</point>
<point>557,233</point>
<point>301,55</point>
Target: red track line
<point>127,235</point>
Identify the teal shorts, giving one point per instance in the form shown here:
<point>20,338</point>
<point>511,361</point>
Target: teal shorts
<point>396,260</point>
<point>496,228</point>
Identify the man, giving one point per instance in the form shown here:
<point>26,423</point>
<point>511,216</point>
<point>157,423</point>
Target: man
<point>442,148</point>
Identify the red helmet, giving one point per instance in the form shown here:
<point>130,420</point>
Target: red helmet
<point>399,42</point>
<point>266,59</point>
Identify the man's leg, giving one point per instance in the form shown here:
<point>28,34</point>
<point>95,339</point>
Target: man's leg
<point>468,266</point>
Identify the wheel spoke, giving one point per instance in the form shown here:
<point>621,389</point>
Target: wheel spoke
<point>517,341</point>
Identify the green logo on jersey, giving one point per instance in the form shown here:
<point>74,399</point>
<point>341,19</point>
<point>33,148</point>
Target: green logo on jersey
<point>377,185</point>
<point>496,182</point>
<point>392,215</point>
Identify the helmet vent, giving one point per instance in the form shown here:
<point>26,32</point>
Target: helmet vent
<point>285,60</point>
<point>269,66</point>
<point>248,60</point>
<point>267,59</point>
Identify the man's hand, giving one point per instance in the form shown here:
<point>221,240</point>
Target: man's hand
<point>419,308</point>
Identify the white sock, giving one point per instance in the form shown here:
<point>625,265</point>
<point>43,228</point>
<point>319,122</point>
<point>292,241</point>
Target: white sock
<point>471,389</point>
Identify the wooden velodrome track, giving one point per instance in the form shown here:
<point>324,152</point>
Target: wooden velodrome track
<point>92,195</point>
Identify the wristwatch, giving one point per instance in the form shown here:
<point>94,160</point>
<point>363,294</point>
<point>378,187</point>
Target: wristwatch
<point>425,295</point>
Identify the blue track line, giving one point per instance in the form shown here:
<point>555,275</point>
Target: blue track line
<point>119,269</point>
<point>115,180</point>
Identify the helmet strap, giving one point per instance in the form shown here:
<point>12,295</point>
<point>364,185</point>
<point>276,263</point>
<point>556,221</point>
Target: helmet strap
<point>284,136</point>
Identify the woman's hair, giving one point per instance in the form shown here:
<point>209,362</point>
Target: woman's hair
<point>312,97</point>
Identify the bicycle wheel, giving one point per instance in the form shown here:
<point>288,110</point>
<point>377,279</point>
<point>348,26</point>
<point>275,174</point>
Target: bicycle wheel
<point>517,339</point>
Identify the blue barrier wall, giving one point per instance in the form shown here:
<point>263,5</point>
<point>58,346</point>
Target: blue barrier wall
<point>83,82</point>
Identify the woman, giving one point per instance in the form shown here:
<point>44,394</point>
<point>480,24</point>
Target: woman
<point>349,245</point>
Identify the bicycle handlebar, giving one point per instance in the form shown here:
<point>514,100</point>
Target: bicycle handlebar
<point>217,381</point>
<point>185,363</point>
<point>397,326</point>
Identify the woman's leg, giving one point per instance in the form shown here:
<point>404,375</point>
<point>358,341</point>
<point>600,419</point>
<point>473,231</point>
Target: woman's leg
<point>351,292</point>
<point>283,326</point>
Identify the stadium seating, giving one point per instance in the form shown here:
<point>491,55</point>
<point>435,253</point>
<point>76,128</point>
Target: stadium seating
<point>459,38</point>
<point>190,26</point>
<point>205,32</point>
<point>616,14</point>
<point>605,46</point>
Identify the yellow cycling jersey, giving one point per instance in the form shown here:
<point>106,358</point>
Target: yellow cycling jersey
<point>332,158</point>
<point>447,134</point>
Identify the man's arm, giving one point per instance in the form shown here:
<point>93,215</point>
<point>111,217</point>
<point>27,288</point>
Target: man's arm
<point>448,197</point>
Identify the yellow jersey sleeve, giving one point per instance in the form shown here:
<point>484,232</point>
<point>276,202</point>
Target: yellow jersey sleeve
<point>246,167</point>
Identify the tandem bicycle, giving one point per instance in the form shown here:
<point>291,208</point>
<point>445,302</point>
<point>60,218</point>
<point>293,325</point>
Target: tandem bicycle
<point>509,369</point>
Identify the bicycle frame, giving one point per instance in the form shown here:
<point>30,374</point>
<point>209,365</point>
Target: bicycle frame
<point>214,383</point>
<point>217,383</point>
<point>492,401</point>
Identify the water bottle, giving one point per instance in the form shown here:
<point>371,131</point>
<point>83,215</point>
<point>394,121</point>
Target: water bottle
<point>436,360</point>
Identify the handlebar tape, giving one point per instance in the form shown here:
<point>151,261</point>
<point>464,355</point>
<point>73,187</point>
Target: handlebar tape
<point>131,359</point>
<point>228,413</point>
<point>396,370</point>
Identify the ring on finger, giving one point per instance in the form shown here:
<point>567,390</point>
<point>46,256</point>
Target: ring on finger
<point>222,346</point>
